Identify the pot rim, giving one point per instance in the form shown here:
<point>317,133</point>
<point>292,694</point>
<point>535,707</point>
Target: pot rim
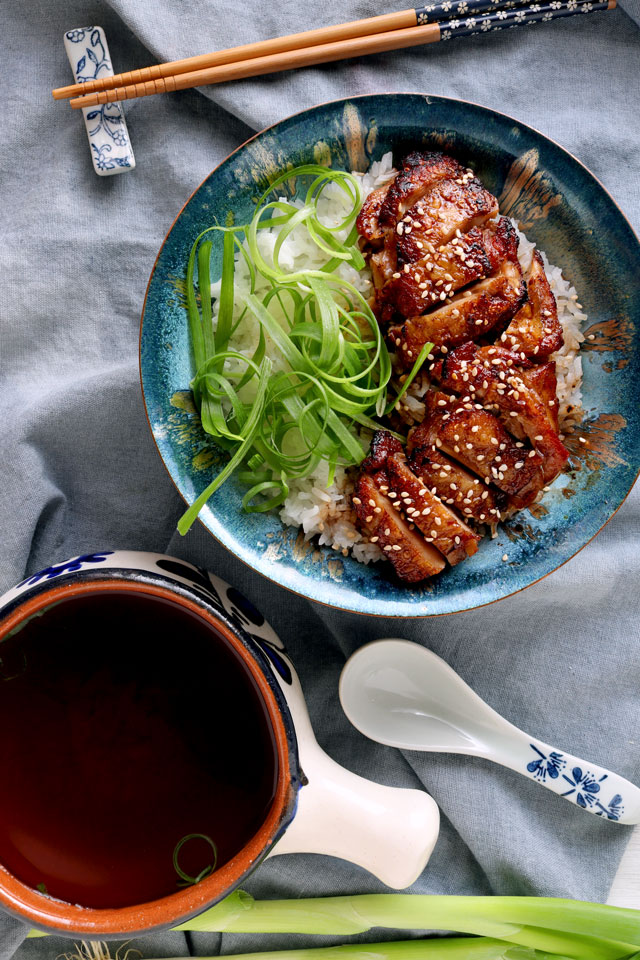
<point>56,916</point>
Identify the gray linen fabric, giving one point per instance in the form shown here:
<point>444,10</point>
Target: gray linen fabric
<point>78,469</point>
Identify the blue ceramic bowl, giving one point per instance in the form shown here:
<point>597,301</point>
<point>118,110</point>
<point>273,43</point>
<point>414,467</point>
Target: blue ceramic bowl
<point>560,206</point>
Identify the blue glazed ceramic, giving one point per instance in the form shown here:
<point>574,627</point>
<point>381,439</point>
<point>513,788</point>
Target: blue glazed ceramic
<point>561,206</point>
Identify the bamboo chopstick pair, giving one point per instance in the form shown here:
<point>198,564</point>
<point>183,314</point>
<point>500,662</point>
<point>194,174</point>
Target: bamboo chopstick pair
<point>393,31</point>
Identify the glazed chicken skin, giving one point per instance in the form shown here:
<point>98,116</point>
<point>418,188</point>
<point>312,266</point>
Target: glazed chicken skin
<point>446,272</point>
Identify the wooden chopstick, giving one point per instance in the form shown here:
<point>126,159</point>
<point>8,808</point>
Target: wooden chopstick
<point>295,41</point>
<point>468,23</point>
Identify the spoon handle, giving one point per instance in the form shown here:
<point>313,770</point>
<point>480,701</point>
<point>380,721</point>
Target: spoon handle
<point>589,786</point>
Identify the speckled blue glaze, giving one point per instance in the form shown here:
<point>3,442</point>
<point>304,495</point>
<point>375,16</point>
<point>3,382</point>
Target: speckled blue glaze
<point>562,208</point>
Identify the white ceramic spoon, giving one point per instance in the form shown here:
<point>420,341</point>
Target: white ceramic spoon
<point>403,695</point>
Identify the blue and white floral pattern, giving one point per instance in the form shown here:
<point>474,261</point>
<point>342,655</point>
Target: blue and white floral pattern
<point>585,787</point>
<point>547,765</point>
<point>88,55</point>
<point>480,18</point>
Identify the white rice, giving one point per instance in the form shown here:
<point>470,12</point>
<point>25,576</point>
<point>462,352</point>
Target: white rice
<point>325,511</point>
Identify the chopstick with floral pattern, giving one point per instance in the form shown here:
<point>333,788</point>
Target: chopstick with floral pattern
<point>464,18</point>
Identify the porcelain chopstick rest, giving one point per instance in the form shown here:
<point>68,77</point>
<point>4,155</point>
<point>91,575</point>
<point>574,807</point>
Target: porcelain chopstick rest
<point>109,142</point>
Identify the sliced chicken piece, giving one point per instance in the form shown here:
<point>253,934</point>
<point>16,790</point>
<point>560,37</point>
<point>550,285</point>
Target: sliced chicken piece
<point>383,445</point>
<point>539,377</point>
<point>368,222</point>
<point>478,440</point>
<point>440,525</point>
<point>474,256</point>
<point>412,557</point>
<point>450,209</point>
<point>457,486</point>
<point>383,265</point>
<point>535,330</point>
<point>467,315</point>
<point>463,371</point>
<point>542,378</point>
<point>419,174</point>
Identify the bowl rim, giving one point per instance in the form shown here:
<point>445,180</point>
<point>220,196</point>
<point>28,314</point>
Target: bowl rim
<point>421,614</point>
<point>52,915</point>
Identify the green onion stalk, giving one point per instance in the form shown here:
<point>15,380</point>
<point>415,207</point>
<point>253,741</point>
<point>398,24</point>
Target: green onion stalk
<point>568,928</point>
<point>463,948</point>
<point>319,372</point>
<point>513,928</point>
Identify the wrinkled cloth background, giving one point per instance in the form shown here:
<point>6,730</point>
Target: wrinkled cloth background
<point>79,471</point>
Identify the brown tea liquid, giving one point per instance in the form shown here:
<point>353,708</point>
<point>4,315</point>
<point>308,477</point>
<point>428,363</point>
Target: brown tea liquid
<point>126,723</point>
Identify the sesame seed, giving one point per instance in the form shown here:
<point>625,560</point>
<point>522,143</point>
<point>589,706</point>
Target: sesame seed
<point>591,336</point>
<point>396,276</point>
<point>387,548</point>
<point>519,465</point>
<point>505,557</point>
<point>357,500</point>
<point>397,546</point>
<point>582,439</point>
<point>374,539</point>
<point>372,503</point>
<point>434,533</point>
<point>377,510</point>
<point>369,519</point>
<point>387,531</point>
<point>400,229</point>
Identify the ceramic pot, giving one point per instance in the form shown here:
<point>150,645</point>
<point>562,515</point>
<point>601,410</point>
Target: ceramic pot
<point>318,807</point>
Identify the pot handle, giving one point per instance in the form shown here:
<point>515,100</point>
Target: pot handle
<point>390,831</point>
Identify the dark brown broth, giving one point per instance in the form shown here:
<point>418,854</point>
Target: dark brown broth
<point>127,723</point>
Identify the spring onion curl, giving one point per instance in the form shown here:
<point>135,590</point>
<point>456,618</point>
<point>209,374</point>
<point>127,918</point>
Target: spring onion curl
<point>326,370</point>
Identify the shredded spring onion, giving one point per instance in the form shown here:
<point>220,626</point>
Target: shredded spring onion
<point>279,425</point>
